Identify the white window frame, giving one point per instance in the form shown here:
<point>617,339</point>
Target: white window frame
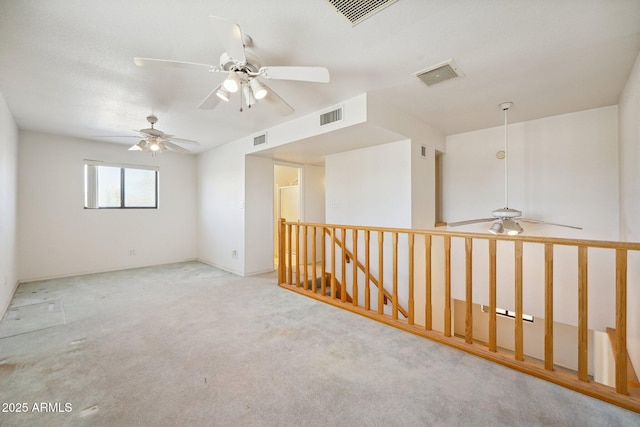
<point>91,184</point>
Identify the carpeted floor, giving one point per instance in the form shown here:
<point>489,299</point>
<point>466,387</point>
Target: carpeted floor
<point>189,345</point>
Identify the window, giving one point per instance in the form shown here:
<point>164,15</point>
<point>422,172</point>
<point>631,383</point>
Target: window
<point>112,186</point>
<point>507,313</point>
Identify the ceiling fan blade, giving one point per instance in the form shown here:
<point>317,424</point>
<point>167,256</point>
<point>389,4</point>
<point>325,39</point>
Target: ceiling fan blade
<point>164,63</point>
<point>536,221</point>
<point>276,102</point>
<point>470,221</point>
<point>180,140</point>
<point>211,101</point>
<point>231,38</point>
<point>305,74</point>
<point>117,136</point>
<point>175,147</point>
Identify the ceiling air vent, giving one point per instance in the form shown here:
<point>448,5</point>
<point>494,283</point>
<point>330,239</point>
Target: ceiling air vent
<point>439,73</point>
<point>260,139</point>
<point>357,11</point>
<point>331,116</point>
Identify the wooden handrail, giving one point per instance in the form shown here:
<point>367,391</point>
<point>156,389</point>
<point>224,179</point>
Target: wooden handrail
<point>604,244</point>
<point>621,394</point>
<point>386,294</point>
<point>631,376</point>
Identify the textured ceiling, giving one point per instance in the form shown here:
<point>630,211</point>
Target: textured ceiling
<point>66,66</point>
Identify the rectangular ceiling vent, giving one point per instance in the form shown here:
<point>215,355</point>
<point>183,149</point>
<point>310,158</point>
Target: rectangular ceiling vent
<point>439,73</point>
<point>331,116</point>
<point>357,11</point>
<point>260,139</point>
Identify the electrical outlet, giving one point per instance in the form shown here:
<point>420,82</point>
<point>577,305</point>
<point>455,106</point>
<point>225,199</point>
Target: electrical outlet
<point>234,254</point>
<point>132,251</point>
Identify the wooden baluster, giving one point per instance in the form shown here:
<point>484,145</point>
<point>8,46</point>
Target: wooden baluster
<point>367,271</point>
<point>427,274</point>
<point>380,272</point>
<point>411,318</point>
<point>282,275</point>
<point>548,306</point>
<point>621,322</point>
<point>447,286</point>
<point>305,240</point>
<point>343,288</point>
<point>468,322</point>
<point>289,260</point>
<point>323,263</point>
<point>314,273</point>
<point>394,298</point>
<point>519,333</point>
<point>354,238</point>
<point>297,232</point>
<point>583,328</point>
<point>333,262</point>
<point>493,329</point>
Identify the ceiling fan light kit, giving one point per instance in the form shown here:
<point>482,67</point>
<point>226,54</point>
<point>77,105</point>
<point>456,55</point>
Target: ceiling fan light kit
<point>258,89</point>
<point>223,93</point>
<point>155,141</point>
<point>243,69</point>
<point>232,83</point>
<point>249,98</point>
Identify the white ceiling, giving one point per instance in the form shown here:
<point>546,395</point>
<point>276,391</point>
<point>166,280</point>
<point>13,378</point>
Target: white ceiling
<point>66,66</point>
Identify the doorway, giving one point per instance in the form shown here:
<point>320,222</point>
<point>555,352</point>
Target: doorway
<point>287,201</point>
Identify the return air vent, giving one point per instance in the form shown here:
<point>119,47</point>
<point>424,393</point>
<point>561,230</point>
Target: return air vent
<point>439,73</point>
<point>357,11</point>
<point>331,116</point>
<point>260,139</point>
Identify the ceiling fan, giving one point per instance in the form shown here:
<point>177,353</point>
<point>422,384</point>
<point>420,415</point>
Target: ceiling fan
<point>504,219</point>
<point>156,141</point>
<point>243,69</point>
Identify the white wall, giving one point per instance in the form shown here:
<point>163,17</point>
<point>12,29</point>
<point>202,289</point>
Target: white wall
<point>387,185</point>
<point>423,185</point>
<point>258,215</point>
<point>221,207</point>
<point>313,193</point>
<point>8,206</point>
<point>562,169</point>
<point>354,112</point>
<point>225,189</point>
<point>630,201</point>
<point>370,186</point>
<point>58,237</point>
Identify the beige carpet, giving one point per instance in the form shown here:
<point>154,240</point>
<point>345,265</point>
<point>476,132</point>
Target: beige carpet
<point>189,345</point>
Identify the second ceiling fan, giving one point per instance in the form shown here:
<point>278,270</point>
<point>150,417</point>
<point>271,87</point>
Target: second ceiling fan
<point>505,220</point>
<point>243,70</point>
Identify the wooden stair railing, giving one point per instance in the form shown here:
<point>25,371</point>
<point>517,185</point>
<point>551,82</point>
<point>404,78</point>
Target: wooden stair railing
<point>339,288</point>
<point>632,377</point>
<point>349,256</point>
<point>459,260</point>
